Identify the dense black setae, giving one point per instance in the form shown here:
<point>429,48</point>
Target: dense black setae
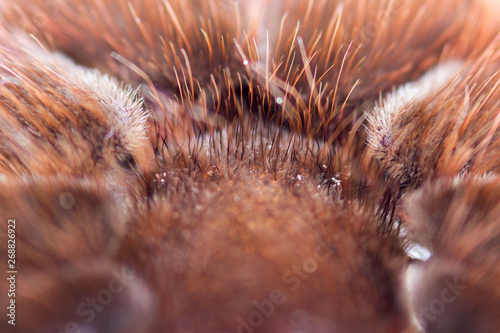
<point>238,166</point>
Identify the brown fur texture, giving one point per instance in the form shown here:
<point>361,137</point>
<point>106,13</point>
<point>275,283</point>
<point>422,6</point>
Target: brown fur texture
<point>453,131</point>
<point>67,233</point>
<point>229,246</point>
<point>60,118</point>
<point>463,232</point>
<point>216,56</point>
<point>236,185</point>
